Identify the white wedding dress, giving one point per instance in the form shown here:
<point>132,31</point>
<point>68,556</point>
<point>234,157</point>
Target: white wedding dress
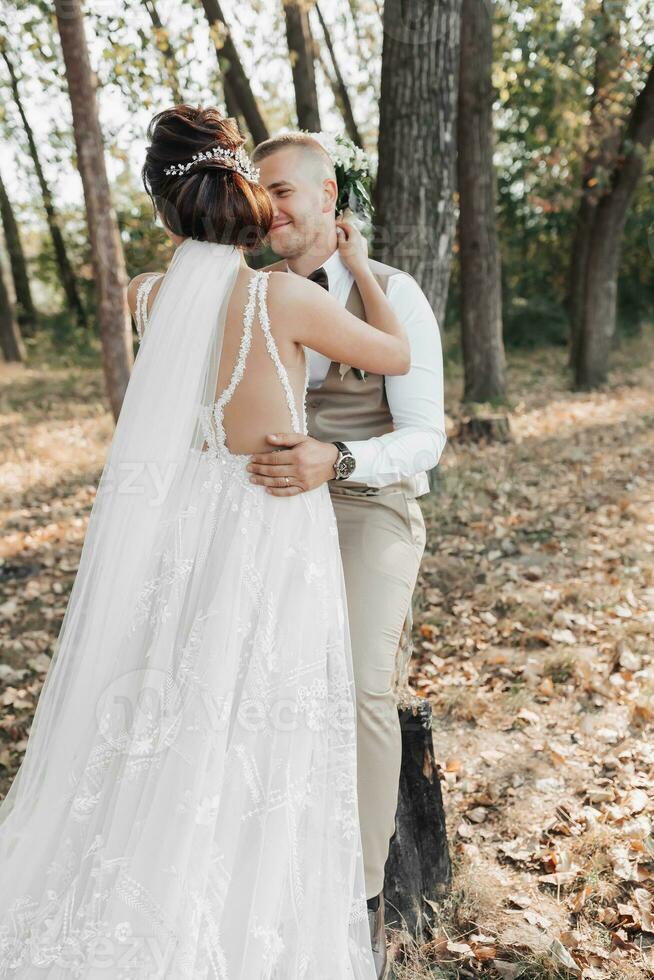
<point>187,805</point>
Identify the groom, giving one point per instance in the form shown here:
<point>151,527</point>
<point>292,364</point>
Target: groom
<point>372,438</point>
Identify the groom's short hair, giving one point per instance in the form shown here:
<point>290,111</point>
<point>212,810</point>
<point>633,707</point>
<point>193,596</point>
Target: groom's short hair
<point>301,141</point>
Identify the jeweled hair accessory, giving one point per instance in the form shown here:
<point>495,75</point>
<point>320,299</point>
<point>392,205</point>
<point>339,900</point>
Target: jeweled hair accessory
<point>242,163</point>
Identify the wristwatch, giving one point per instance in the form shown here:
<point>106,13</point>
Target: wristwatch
<point>345,462</point>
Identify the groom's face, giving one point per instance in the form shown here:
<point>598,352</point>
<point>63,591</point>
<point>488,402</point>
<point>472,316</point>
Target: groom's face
<point>302,200</point>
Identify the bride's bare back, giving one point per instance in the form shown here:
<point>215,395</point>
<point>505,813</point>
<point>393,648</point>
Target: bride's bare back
<point>259,403</point>
<point>262,372</point>
<point>271,318</point>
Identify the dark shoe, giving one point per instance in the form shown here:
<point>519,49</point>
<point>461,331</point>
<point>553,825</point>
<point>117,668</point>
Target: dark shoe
<point>378,936</point>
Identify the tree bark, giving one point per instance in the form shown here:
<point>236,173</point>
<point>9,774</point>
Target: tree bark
<point>108,260</point>
<point>238,92</point>
<point>479,251</point>
<point>599,160</point>
<point>414,194</point>
<point>300,47</point>
<point>10,338</point>
<point>418,870</point>
<point>603,262</point>
<point>162,40</point>
<point>66,275</point>
<point>26,310</point>
<point>341,94</point>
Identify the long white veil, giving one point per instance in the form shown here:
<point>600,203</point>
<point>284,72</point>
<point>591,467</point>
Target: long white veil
<point>97,668</point>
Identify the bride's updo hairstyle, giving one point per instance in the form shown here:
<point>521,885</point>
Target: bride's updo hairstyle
<point>205,198</point>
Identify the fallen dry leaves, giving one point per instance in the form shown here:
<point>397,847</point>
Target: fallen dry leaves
<point>534,623</point>
<point>534,633</point>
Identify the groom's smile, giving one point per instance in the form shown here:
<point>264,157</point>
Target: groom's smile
<point>294,180</point>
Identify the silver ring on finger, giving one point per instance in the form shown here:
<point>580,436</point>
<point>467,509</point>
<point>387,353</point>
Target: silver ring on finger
<point>287,481</point>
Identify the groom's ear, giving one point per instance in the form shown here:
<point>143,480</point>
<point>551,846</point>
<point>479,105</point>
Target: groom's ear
<point>329,194</point>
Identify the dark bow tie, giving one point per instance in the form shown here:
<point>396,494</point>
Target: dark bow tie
<point>320,276</point>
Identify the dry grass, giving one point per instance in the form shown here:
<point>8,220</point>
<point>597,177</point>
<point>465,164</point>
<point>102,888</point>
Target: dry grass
<point>534,644</point>
<point>535,615</point>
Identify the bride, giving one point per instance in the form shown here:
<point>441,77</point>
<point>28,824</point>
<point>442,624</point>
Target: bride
<point>187,807</point>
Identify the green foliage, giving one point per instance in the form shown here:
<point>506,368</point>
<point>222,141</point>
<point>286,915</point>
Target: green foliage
<point>544,72</point>
<point>543,77</point>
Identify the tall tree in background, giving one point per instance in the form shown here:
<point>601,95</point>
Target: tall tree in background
<point>108,261</point>
<point>600,273</point>
<point>417,149</point>
<point>26,311</point>
<point>163,42</point>
<point>300,48</point>
<point>603,142</point>
<point>238,93</point>
<point>337,82</point>
<point>414,231</point>
<point>10,339</point>
<point>64,267</point>
<point>479,252</point>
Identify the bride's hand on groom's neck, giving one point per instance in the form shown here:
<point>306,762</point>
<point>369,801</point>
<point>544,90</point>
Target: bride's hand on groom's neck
<point>352,248</point>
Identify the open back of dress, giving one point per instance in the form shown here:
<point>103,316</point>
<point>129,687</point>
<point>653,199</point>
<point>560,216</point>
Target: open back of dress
<point>258,393</point>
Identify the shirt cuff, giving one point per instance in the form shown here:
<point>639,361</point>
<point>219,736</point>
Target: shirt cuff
<point>392,457</point>
<point>365,453</point>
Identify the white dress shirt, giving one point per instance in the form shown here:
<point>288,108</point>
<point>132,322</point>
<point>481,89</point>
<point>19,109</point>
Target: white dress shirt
<point>415,399</point>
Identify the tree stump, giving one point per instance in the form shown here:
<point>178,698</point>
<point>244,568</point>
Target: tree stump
<point>418,869</point>
<point>484,428</point>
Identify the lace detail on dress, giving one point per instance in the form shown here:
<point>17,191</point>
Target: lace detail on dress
<point>142,295</point>
<point>305,392</point>
<point>282,373</point>
<point>239,368</point>
<point>212,416</point>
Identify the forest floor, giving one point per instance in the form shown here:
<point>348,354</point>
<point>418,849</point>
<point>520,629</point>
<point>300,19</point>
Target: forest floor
<point>533,642</point>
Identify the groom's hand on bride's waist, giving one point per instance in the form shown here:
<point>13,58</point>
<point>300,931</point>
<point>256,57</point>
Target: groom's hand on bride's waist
<point>298,463</point>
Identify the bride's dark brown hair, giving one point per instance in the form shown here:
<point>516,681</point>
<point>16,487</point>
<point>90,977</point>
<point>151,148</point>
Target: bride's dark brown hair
<point>211,201</point>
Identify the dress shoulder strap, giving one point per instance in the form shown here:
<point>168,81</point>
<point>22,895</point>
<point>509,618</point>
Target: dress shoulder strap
<point>215,429</point>
<point>143,290</point>
<point>282,374</point>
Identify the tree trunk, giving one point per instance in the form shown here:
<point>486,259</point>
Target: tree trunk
<point>414,194</point>
<point>602,267</point>
<point>66,275</point>
<point>300,47</point>
<point>236,85</point>
<point>485,428</point>
<point>10,339</point>
<point>25,305</point>
<point>418,870</point>
<point>577,273</point>
<point>599,160</point>
<point>479,251</point>
<point>341,94</point>
<point>108,260</point>
<point>162,40</point>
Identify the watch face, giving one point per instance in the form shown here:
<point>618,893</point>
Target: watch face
<point>346,466</point>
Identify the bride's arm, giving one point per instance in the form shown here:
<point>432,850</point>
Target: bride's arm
<point>133,297</point>
<point>320,322</point>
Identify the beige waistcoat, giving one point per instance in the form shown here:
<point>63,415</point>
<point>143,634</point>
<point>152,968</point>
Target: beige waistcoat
<point>349,409</point>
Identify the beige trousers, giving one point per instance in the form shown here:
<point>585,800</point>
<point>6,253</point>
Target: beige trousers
<point>382,540</point>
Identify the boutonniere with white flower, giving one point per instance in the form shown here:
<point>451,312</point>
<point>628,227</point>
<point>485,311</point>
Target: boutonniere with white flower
<point>354,200</point>
<point>352,177</point>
